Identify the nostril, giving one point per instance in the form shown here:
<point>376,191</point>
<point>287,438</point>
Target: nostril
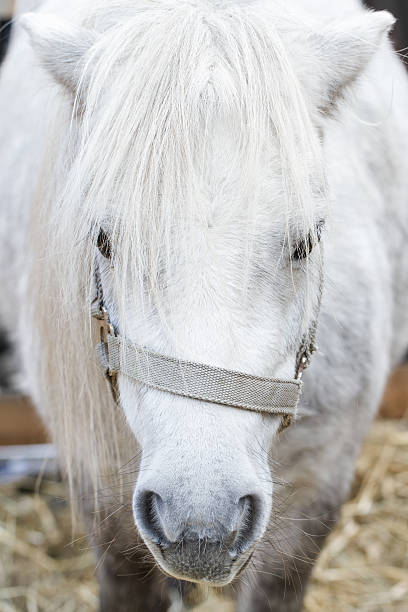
<point>245,533</point>
<point>235,531</point>
<point>147,512</point>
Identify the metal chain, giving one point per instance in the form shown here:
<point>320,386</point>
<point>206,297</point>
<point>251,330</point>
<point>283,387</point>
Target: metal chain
<point>309,346</point>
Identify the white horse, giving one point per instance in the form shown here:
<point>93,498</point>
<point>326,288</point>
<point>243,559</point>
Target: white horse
<point>196,155</point>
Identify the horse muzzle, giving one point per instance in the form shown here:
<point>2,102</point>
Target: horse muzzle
<point>208,547</point>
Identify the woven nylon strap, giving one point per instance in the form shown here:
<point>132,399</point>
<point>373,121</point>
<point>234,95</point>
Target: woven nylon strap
<point>199,381</point>
<point>196,380</point>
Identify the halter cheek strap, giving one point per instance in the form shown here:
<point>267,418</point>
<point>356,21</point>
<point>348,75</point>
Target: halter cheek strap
<point>196,380</point>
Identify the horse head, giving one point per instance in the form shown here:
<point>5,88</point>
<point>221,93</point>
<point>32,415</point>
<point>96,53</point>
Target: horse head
<point>196,187</point>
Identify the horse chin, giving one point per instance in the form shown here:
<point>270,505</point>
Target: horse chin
<point>216,568</point>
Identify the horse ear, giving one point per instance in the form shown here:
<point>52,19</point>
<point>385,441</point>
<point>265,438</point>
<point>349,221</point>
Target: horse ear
<point>61,46</point>
<point>341,52</point>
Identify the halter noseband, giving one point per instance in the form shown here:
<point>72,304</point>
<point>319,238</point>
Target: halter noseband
<point>196,380</point>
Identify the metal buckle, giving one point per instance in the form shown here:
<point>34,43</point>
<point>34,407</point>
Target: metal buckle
<point>103,326</point>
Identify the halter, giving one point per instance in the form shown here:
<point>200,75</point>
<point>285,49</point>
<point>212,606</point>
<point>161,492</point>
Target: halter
<point>196,380</point>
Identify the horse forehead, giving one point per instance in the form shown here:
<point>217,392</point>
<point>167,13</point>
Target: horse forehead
<point>229,182</point>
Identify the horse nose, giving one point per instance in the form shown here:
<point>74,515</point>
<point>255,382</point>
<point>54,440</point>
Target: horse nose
<point>230,527</point>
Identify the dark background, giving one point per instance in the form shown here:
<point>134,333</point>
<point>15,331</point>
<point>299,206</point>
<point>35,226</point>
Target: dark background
<point>400,9</point>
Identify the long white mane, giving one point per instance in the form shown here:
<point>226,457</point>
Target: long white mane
<point>159,77</point>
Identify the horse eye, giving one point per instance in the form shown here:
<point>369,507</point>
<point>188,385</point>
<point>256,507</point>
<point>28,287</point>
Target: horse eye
<point>103,244</point>
<point>305,246</point>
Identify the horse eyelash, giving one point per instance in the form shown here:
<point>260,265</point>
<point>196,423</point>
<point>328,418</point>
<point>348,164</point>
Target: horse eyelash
<point>305,246</point>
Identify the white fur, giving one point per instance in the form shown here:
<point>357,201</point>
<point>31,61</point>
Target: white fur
<point>191,132</point>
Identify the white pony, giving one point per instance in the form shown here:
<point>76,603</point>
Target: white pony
<point>199,154</point>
